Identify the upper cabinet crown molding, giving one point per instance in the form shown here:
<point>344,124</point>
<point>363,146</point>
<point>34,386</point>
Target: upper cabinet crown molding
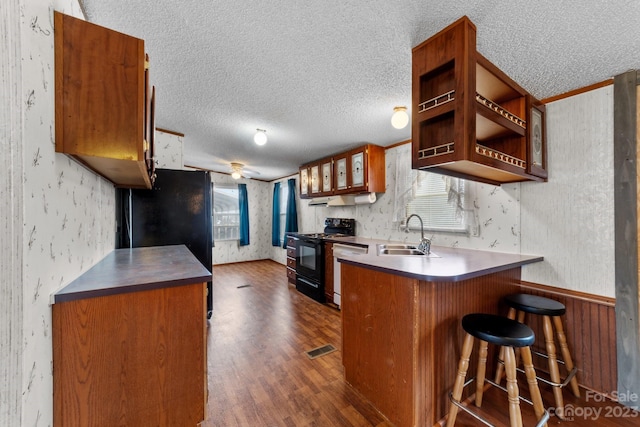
<point>360,170</point>
<point>104,102</point>
<point>470,119</point>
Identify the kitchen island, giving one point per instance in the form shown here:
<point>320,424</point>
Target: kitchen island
<point>129,343</point>
<point>401,334</point>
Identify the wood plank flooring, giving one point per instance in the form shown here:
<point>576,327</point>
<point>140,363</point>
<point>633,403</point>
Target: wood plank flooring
<point>260,375</point>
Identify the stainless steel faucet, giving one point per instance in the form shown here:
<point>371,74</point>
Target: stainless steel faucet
<point>425,244</point>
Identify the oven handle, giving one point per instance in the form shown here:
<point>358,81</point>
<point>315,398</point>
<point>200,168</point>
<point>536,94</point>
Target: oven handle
<point>306,282</point>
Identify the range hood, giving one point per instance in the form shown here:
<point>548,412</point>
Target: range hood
<point>345,200</point>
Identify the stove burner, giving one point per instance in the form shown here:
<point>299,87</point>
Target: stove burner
<point>323,235</point>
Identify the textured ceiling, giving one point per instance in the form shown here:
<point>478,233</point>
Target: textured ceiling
<point>324,76</point>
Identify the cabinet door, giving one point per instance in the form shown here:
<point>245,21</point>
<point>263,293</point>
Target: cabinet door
<point>150,156</point>
<point>105,122</point>
<point>341,171</point>
<point>304,183</point>
<point>536,139</point>
<point>358,170</point>
<point>328,272</point>
<point>315,180</point>
<point>327,177</point>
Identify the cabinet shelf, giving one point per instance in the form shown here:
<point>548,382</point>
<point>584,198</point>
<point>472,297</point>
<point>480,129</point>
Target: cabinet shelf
<point>492,106</point>
<point>502,157</point>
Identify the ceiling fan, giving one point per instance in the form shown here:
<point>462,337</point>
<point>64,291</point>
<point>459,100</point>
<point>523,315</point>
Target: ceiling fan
<point>238,171</point>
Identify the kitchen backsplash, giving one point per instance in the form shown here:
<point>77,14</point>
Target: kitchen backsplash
<point>496,211</point>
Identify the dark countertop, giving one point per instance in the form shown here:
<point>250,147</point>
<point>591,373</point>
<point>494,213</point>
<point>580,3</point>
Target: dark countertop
<point>137,269</point>
<point>451,264</point>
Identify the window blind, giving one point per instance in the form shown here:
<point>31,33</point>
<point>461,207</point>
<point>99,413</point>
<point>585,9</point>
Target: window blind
<point>431,202</point>
<point>226,213</point>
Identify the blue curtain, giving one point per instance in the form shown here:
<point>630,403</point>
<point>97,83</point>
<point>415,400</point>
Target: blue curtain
<point>243,201</point>
<point>275,216</point>
<point>291,223</point>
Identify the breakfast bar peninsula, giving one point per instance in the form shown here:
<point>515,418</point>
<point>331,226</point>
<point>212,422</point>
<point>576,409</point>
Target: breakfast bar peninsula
<point>401,334</point>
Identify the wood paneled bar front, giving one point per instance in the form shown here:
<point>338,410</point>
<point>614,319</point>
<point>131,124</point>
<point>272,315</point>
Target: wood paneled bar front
<point>129,343</point>
<point>401,334</point>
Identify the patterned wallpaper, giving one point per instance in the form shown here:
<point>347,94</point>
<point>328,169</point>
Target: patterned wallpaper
<point>69,220</point>
<point>260,196</point>
<point>570,219</point>
<point>497,210</point>
<point>168,150</point>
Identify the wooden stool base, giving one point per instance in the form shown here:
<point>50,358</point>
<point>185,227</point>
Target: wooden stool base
<point>549,322</point>
<point>514,398</point>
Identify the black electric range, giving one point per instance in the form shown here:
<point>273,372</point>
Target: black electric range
<point>310,257</point>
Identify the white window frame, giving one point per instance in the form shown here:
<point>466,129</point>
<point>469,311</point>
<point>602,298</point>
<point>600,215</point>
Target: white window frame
<point>431,203</point>
<point>232,229</point>
<point>284,196</point>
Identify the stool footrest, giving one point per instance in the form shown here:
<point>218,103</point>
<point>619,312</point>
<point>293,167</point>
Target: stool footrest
<point>564,383</point>
<point>541,422</point>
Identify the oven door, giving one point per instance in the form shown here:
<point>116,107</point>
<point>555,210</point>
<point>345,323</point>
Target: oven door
<point>310,258</point>
<point>310,288</point>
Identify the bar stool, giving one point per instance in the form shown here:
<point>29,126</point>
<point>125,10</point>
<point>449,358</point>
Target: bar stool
<point>507,333</point>
<point>519,304</point>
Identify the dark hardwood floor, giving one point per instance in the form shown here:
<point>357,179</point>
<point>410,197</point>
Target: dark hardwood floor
<point>260,375</point>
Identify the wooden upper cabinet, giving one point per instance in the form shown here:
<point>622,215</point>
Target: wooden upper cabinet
<point>104,101</point>
<point>319,175</point>
<point>470,119</point>
<point>360,170</point>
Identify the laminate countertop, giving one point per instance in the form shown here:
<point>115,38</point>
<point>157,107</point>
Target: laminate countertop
<point>137,269</point>
<point>444,264</point>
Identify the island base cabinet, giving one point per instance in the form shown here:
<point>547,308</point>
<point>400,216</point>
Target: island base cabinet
<point>401,337</point>
<point>131,359</point>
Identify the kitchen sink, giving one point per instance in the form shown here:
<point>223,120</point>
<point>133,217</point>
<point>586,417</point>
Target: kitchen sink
<point>403,249</point>
<point>396,246</point>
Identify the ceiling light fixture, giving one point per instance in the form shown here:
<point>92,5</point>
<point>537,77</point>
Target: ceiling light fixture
<point>260,137</point>
<point>400,118</point>
<point>236,170</point>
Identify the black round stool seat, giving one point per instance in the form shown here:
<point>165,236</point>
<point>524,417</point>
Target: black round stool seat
<point>498,330</point>
<point>535,304</point>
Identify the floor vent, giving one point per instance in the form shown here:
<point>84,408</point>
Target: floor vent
<point>321,351</point>
<point>244,286</point>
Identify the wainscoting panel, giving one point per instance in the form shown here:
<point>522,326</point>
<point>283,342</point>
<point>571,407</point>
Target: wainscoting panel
<point>590,326</point>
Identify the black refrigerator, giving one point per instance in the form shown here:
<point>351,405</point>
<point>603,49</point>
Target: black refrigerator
<point>176,211</point>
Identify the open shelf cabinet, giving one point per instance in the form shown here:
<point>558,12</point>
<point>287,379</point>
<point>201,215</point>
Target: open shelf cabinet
<point>470,118</point>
